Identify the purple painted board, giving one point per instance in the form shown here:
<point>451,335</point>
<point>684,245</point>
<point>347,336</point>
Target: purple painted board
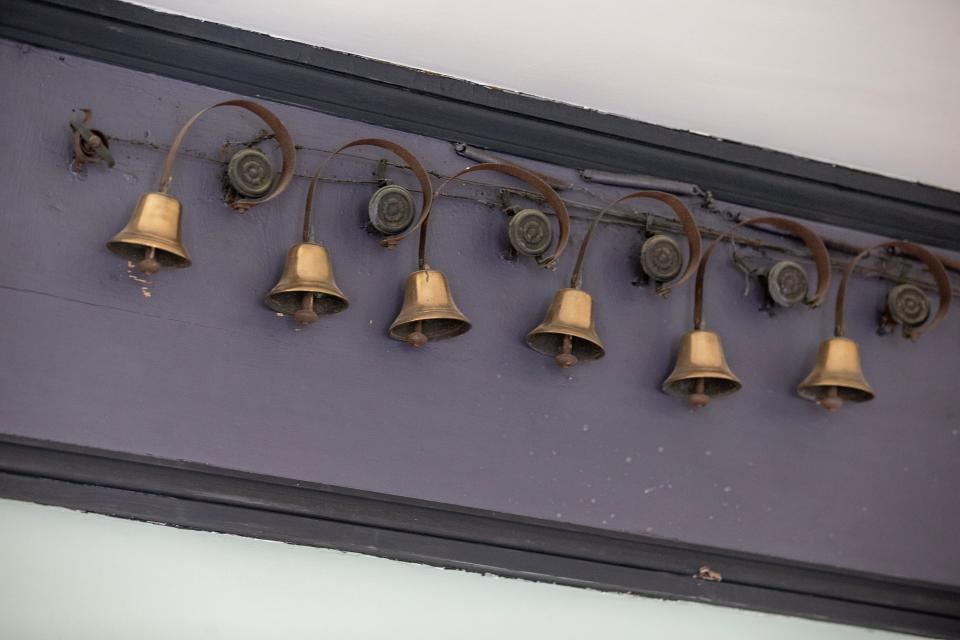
<point>201,371</point>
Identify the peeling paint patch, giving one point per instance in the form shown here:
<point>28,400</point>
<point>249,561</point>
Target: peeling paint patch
<point>144,289</point>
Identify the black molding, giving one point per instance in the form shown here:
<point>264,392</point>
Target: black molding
<point>196,496</point>
<point>446,108</point>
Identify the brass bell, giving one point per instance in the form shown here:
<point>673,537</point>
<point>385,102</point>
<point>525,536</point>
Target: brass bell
<point>152,237</point>
<point>307,289</point>
<point>837,376</point>
<point>701,372</point>
<point>567,332</point>
<point>428,312</point>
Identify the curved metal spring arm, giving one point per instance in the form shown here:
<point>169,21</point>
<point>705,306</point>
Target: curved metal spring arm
<point>532,179</point>
<point>929,259</point>
<point>280,132</point>
<point>689,228</point>
<point>814,243</point>
<point>426,187</point>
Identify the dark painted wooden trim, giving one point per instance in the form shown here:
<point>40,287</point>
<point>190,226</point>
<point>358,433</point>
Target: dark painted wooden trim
<point>446,108</point>
<point>201,497</point>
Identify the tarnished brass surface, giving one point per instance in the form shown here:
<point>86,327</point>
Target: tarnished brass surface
<point>308,270</point>
<point>250,173</point>
<point>660,258</point>
<point>701,372</point>
<point>686,220</point>
<point>155,224</point>
<point>701,369</point>
<point>936,270</point>
<point>530,232</point>
<point>836,376</point>
<point>567,332</point>
<point>570,314</point>
<point>787,283</point>
<point>419,171</point>
<point>152,237</point>
<point>532,179</point>
<point>391,209</point>
<point>307,288</point>
<point>908,304</point>
<point>428,312</point>
<point>280,133</point>
<point>818,252</point>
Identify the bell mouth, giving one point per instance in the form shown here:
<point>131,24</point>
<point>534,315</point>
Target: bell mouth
<point>289,302</point>
<point>837,374</point>
<point>136,251</point>
<point>432,328</point>
<point>712,387</point>
<point>551,344</point>
<point>428,312</point>
<point>847,394</point>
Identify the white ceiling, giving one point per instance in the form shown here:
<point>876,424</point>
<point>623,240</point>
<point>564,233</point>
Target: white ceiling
<point>89,577</point>
<point>872,84</point>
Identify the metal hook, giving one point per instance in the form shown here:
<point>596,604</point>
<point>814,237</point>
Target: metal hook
<point>287,149</point>
<point>90,145</point>
<point>928,258</point>
<point>532,179</point>
<point>814,244</point>
<point>681,211</point>
<point>426,187</point>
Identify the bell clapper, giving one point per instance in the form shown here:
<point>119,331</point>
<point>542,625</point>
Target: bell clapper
<point>149,265</point>
<point>699,398</point>
<point>417,337</point>
<point>305,314</point>
<point>565,359</point>
<point>832,400</point>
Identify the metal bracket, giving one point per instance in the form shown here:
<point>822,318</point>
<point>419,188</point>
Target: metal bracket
<point>505,201</point>
<point>479,155</point>
<point>641,279</point>
<point>380,173</point>
<point>90,146</point>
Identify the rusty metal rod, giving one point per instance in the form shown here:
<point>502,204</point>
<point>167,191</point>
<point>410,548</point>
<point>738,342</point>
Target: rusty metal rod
<point>638,181</point>
<point>479,155</point>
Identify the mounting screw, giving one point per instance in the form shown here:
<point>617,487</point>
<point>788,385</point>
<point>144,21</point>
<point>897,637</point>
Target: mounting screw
<point>90,145</point>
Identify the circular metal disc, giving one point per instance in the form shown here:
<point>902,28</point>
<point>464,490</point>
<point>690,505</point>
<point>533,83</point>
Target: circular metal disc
<point>250,173</point>
<point>908,305</point>
<point>530,232</point>
<point>787,283</point>
<point>391,209</point>
<point>661,258</point>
